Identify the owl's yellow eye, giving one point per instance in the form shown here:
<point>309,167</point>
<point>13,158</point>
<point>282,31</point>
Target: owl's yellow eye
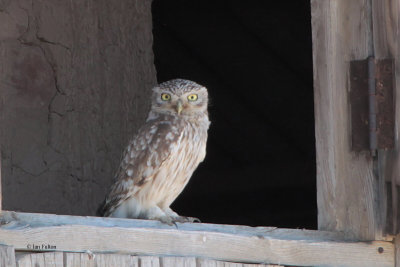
<point>192,97</point>
<point>165,97</point>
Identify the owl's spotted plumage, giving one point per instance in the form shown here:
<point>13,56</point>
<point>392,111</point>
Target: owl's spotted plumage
<point>162,156</point>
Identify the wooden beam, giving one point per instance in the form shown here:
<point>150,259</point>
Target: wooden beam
<point>1,190</point>
<point>7,256</point>
<point>386,44</point>
<point>45,232</point>
<point>54,259</point>
<point>348,190</point>
<point>70,259</point>
<point>397,250</point>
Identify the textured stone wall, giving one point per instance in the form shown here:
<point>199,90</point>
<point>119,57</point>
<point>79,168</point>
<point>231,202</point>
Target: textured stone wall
<point>74,86</point>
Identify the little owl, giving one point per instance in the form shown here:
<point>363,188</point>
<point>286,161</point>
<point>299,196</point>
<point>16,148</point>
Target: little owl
<point>160,159</point>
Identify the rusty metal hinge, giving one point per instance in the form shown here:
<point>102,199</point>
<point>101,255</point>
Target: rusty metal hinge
<point>372,105</point>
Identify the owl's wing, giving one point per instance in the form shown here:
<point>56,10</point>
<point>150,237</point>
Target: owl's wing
<point>142,158</point>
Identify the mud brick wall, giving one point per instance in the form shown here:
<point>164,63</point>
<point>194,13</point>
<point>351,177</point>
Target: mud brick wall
<point>75,77</point>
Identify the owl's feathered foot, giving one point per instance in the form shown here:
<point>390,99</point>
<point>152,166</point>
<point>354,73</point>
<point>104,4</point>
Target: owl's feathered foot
<point>178,219</point>
<point>194,220</point>
<point>166,216</point>
<point>181,219</point>
<point>184,219</point>
<point>167,220</point>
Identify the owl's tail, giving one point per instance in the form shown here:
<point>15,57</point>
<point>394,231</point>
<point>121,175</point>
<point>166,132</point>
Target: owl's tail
<point>101,209</point>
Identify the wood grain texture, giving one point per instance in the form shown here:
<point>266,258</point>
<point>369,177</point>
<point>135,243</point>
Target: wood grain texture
<point>386,32</point>
<point>397,250</point>
<point>75,86</point>
<point>1,193</point>
<point>149,261</point>
<point>105,260</point>
<point>178,261</point>
<point>69,259</point>
<point>218,242</point>
<point>209,263</point>
<point>7,256</point>
<point>347,188</point>
<point>54,259</point>
<point>100,260</point>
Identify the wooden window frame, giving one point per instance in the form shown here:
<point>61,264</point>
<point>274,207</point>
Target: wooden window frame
<point>33,232</point>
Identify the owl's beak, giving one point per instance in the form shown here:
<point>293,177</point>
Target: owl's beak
<point>179,107</point>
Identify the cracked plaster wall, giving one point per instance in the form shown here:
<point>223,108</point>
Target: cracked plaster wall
<point>74,86</point>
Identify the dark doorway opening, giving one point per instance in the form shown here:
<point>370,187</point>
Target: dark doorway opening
<point>255,58</point>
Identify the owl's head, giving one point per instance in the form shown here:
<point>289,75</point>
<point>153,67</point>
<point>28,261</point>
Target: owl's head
<point>180,97</point>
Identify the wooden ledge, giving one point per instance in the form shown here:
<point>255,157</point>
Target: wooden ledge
<point>47,232</point>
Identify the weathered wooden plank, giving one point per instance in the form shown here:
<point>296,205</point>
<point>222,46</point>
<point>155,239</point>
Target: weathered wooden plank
<point>54,259</point>
<point>261,265</point>
<point>105,260</point>
<point>220,242</point>
<point>18,220</point>
<point>178,261</point>
<point>209,263</point>
<point>193,262</point>
<point>7,256</point>
<point>79,259</point>
<point>149,261</point>
<point>190,261</point>
<point>397,251</point>
<point>386,32</point>
<point>31,260</point>
<point>347,188</point>
<point>1,194</point>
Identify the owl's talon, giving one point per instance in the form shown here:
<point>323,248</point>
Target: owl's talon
<point>167,220</point>
<point>184,219</point>
<point>194,220</point>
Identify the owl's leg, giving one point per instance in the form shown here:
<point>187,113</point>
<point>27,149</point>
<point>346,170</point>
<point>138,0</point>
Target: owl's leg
<point>155,213</point>
<point>130,208</point>
<point>177,218</point>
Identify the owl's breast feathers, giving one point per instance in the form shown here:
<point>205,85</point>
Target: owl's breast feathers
<point>159,161</point>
